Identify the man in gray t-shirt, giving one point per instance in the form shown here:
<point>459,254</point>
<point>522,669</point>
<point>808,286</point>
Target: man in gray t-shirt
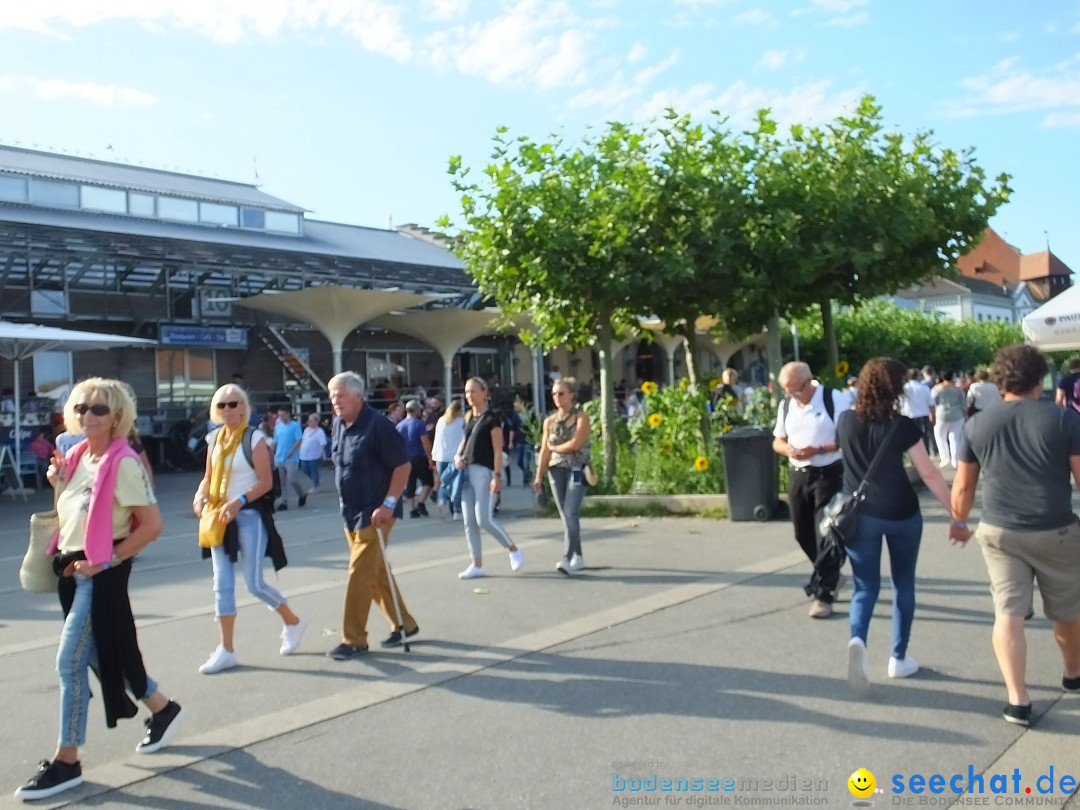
<point>1028,452</point>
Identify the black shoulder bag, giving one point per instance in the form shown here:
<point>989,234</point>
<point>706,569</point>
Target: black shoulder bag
<point>840,514</point>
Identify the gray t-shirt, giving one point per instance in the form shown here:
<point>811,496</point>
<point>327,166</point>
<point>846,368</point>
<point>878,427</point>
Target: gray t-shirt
<point>1023,449</point>
<point>950,402</point>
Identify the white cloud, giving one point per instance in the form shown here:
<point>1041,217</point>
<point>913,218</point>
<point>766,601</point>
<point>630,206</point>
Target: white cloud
<point>839,6</point>
<point>445,9</point>
<point>756,16</point>
<point>851,21</point>
<point>773,60</point>
<point>1008,88</point>
<point>621,92</point>
<point>103,95</point>
<point>637,53</point>
<point>1010,36</point>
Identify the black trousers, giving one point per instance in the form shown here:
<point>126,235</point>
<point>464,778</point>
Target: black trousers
<point>927,429</point>
<point>809,490</point>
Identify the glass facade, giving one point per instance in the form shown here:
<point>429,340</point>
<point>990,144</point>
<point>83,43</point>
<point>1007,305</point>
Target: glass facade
<point>113,200</point>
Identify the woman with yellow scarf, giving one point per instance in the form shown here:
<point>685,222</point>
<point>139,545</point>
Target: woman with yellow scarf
<point>236,486</point>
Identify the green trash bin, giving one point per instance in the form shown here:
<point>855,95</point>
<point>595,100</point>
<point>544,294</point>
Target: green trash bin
<point>750,473</point>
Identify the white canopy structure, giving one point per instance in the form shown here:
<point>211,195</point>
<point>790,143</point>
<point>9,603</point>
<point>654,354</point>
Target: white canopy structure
<point>1055,326</point>
<point>334,310</point>
<point>21,341</point>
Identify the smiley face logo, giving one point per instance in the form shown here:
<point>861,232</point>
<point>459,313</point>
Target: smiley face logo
<point>861,783</point>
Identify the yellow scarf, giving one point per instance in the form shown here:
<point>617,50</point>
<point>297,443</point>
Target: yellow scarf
<point>219,475</point>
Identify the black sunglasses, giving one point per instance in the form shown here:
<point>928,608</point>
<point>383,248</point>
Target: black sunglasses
<point>233,403</point>
<point>97,409</point>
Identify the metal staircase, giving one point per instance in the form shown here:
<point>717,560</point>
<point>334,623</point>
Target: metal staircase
<point>291,360</point>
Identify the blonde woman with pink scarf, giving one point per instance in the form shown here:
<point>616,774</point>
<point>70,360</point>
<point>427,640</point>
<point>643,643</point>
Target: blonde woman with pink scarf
<point>108,514</point>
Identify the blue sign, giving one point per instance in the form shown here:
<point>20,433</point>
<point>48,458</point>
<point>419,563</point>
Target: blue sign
<point>208,337</point>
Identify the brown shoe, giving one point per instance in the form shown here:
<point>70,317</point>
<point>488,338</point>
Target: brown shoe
<point>820,610</point>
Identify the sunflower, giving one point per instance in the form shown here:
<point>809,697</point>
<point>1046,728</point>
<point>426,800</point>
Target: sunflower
<point>684,383</point>
<point>726,428</point>
<point>655,419</point>
<point>714,382</point>
<point>665,447</point>
<point>701,464</point>
<point>842,368</point>
<point>648,388</point>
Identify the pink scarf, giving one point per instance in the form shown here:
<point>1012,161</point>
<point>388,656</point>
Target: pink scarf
<point>99,520</point>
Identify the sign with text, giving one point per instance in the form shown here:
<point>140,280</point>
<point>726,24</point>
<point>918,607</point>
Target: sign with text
<point>207,337</point>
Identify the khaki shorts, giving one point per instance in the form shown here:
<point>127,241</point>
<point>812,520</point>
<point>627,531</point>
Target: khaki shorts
<point>1015,558</point>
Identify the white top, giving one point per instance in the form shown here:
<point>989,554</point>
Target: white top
<point>243,475</point>
<point>447,439</point>
<point>810,426</point>
<point>916,401</point>
<point>983,395</point>
<point>312,444</point>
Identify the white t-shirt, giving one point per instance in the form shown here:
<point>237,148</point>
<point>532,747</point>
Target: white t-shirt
<point>447,439</point>
<point>73,503</point>
<point>810,426</point>
<point>916,401</point>
<point>312,444</point>
<point>243,475</point>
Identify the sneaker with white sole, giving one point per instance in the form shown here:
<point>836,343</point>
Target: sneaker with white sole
<point>160,728</point>
<point>517,559</point>
<point>858,670</point>
<point>473,572</point>
<point>820,609</point>
<point>51,778</point>
<point>577,562</point>
<point>563,567</point>
<point>290,637</point>
<point>903,667</point>
<point>219,659</point>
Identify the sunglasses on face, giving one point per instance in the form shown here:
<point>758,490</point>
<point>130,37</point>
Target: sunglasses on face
<point>97,409</point>
<point>234,403</point>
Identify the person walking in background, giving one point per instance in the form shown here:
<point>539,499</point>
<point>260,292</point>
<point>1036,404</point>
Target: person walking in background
<point>564,453</point>
<point>890,510</point>
<point>287,439</point>
<point>1028,452</point>
<point>1067,389</point>
<point>948,416</point>
<point>236,479</point>
<point>805,433</point>
<point>370,469</point>
<point>312,449</point>
<point>480,458</point>
<point>418,447</point>
<point>916,404</point>
<point>449,433</point>
<point>107,513</point>
<point>982,394</point>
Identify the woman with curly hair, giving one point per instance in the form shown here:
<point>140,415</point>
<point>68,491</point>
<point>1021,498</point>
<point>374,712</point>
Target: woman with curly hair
<point>890,511</point>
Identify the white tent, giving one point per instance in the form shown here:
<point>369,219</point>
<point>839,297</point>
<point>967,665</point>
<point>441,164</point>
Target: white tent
<point>20,341</point>
<point>1055,326</point>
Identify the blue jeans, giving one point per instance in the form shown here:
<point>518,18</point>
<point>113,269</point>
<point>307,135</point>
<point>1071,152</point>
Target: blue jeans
<point>525,454</point>
<point>311,470</point>
<point>449,485</point>
<point>477,507</point>
<point>77,654</point>
<point>252,536</point>
<point>568,487</point>
<point>864,551</point>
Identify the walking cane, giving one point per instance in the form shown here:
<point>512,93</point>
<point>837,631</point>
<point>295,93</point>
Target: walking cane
<point>393,590</point>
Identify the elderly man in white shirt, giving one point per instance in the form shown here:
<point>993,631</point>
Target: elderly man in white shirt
<point>916,404</point>
<point>805,433</point>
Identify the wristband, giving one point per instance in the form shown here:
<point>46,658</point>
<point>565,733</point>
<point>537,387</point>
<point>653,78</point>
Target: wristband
<point>390,502</point>
<point>959,524</point>
<point>243,499</point>
<point>114,560</point>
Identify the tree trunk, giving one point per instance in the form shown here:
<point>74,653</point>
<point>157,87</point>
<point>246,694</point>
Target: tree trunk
<point>832,354</point>
<point>607,396</point>
<point>775,356</point>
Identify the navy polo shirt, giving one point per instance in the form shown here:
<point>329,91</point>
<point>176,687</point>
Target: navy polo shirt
<point>365,456</point>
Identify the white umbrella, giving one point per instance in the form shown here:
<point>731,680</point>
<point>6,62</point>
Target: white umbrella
<point>20,341</point>
<point>1055,326</point>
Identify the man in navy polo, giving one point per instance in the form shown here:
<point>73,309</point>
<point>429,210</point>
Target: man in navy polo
<point>370,470</point>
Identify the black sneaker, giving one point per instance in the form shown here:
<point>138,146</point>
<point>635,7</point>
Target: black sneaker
<point>343,652</point>
<point>51,778</point>
<point>394,639</point>
<point>160,728</point>
<point>1070,684</point>
<point>422,510</point>
<point>1020,715</point>
<point>414,513</point>
<point>303,500</point>
<point>283,508</point>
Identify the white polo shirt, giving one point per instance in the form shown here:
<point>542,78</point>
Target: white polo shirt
<point>810,426</point>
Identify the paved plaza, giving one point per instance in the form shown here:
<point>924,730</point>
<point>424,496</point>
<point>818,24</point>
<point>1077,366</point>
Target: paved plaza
<point>683,653</point>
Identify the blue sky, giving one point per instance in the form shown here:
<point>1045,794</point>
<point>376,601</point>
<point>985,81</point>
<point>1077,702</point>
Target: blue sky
<point>351,108</point>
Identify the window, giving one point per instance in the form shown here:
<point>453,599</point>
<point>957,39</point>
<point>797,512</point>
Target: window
<point>141,205</point>
<point>185,376</point>
<point>217,214</point>
<point>280,221</point>
<point>12,188</point>
<point>104,199</point>
<point>52,192</point>
<point>252,218</point>
<point>176,208</point>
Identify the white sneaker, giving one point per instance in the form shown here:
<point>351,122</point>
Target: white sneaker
<point>290,637</point>
<point>564,567</point>
<point>517,559</point>
<point>219,659</point>
<point>903,667</point>
<point>473,572</point>
<point>858,672</point>
<point>577,562</point>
